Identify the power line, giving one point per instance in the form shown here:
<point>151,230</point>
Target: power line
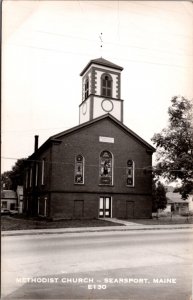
<point>157,8</point>
<point>147,168</point>
<point>87,54</point>
<point>143,14</point>
<point>35,129</point>
<point>113,43</point>
<point>64,163</point>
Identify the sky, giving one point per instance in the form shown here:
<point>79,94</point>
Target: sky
<point>46,44</point>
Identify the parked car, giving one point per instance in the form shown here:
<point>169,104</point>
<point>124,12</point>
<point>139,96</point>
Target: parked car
<point>13,212</point>
<point>5,211</point>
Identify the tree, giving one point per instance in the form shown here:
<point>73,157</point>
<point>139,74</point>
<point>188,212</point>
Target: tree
<point>6,183</point>
<point>158,195</point>
<point>11,179</point>
<point>175,145</point>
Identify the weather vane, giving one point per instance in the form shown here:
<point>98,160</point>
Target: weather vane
<point>101,42</point>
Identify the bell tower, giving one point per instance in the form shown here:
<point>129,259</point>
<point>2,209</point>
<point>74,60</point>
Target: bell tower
<point>101,90</point>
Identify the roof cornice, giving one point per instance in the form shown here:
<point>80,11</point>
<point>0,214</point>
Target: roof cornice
<point>151,148</point>
<point>101,62</point>
<point>55,139</point>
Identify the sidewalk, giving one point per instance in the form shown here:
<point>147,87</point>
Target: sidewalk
<point>126,226</point>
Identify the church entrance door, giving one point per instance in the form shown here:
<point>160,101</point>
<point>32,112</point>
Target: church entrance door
<point>105,207</point>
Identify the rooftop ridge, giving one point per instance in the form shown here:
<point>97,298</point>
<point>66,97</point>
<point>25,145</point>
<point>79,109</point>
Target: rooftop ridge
<point>103,62</point>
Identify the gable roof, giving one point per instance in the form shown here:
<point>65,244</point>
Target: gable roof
<point>103,62</point>
<point>56,138</point>
<point>8,194</point>
<point>175,198</point>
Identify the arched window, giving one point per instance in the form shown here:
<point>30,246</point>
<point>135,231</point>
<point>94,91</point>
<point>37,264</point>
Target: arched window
<point>86,89</point>
<point>79,170</point>
<point>130,172</point>
<point>106,168</point>
<point>106,85</point>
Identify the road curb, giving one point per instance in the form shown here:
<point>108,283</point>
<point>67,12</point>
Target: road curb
<point>126,228</point>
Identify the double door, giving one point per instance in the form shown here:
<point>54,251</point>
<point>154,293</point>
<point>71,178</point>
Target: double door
<point>105,204</point>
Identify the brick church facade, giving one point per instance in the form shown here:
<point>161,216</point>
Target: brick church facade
<point>97,169</point>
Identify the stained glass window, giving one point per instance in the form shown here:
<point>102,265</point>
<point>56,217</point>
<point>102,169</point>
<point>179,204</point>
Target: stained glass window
<point>106,168</point>
<point>79,170</point>
<point>130,173</point>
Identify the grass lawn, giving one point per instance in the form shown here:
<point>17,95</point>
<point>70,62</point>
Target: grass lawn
<point>19,222</point>
<point>165,220</point>
<point>22,223</point>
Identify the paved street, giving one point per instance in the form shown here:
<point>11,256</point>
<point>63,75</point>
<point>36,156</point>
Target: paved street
<point>99,265</point>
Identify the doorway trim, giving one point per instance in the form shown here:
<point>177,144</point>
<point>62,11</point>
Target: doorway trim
<point>102,206</point>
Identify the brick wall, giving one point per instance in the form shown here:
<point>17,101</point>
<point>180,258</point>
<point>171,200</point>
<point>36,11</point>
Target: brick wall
<point>86,142</point>
<point>68,200</point>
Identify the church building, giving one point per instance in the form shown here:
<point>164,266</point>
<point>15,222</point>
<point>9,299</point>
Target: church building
<point>98,169</point>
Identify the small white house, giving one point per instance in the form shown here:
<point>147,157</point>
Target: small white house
<point>11,200</point>
<point>176,204</point>
<point>8,200</point>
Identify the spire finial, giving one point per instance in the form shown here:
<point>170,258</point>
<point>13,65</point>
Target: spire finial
<point>101,42</point>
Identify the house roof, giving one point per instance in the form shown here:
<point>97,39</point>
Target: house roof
<point>175,198</point>
<point>103,62</point>
<point>169,188</point>
<point>8,194</point>
<point>56,137</point>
